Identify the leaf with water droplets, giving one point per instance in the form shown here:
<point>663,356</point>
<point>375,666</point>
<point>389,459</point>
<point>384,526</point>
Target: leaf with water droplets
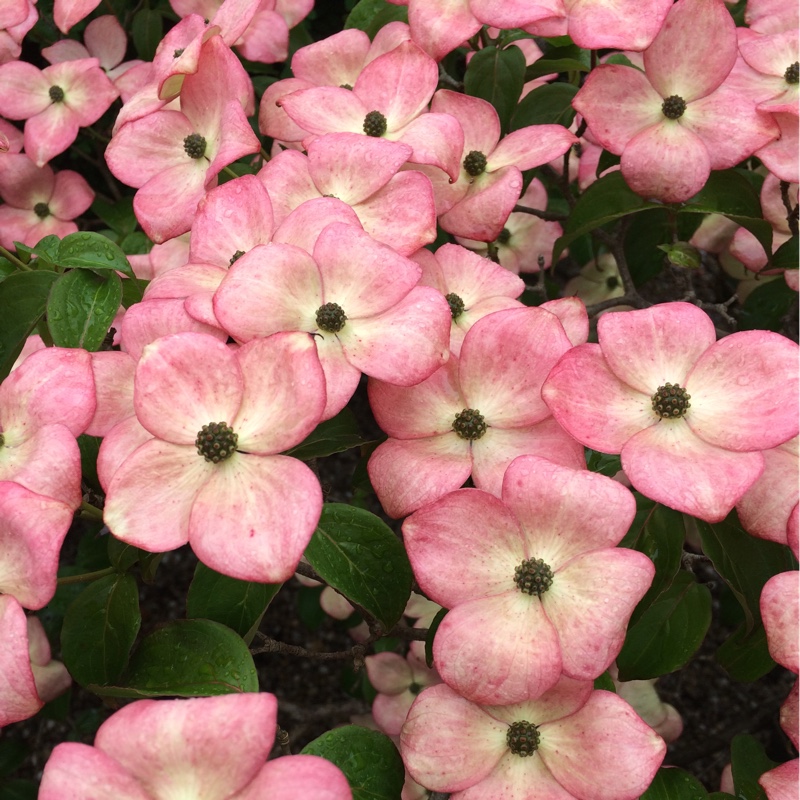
<point>89,250</point>
<point>671,783</point>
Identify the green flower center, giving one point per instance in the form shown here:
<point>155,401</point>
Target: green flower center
<point>671,401</point>
<point>2,440</point>
<point>216,442</point>
<point>533,576</point>
<point>792,74</point>
<point>56,94</point>
<point>345,86</point>
<point>236,256</point>
<point>41,210</point>
<point>194,145</point>
<point>673,107</point>
<point>504,236</point>
<point>523,738</point>
<point>469,424</point>
<point>331,318</point>
<point>456,305</point>
<point>475,163</point>
<point>374,124</point>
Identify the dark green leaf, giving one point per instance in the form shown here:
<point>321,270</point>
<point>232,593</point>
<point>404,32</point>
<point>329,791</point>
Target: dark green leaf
<point>606,682</point>
<point>744,562</point>
<point>368,759</point>
<point>118,216</point>
<point>745,656</point>
<point>549,104</point>
<point>6,268</point>
<point>332,436</point>
<point>89,250</point>
<point>607,199</point>
<point>672,783</point>
<point>90,447</point>
<point>603,463</point>
<point>371,15</point>
<point>135,244</point>
<point>787,255</point>
<point>748,763</point>
<point>238,604</point>
<point>432,628</point>
<point>767,305</point>
<point>121,554</point>
<point>19,789</point>
<point>606,161</point>
<point>99,630</point>
<point>81,307</point>
<point>188,658</point>
<point>547,66</point>
<point>23,298</point>
<point>359,555</point>
<point>309,610</point>
<point>147,30</point>
<point>668,633</point>
<point>46,249</point>
<point>497,76</point>
<point>132,291</point>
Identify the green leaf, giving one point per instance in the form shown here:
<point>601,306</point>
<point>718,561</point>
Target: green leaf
<point>133,291</point>
<point>368,759</point>
<point>547,66</point>
<point>745,656</point>
<point>606,161</point>
<point>606,200</point>
<point>787,255</point>
<point>23,298</point>
<point>118,216</point>
<point>371,15</point>
<point>607,465</point>
<point>668,633</point>
<point>359,555</point>
<point>147,31</point>
<point>135,244</point>
<point>748,763</point>
<point>89,250</point>
<point>188,658</point>
<point>238,604</point>
<point>99,630</point>
<point>549,104</point>
<point>6,268</point>
<point>332,436</point>
<point>19,789</point>
<point>46,249</point>
<point>81,308</point>
<point>90,447</point>
<point>605,682</point>
<point>672,783</point>
<point>767,305</point>
<point>744,562</point>
<point>497,76</point>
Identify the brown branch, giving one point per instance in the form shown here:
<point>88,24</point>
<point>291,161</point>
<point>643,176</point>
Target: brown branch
<point>356,652</point>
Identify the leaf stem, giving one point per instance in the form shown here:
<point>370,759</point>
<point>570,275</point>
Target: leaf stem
<point>9,256</point>
<point>86,577</point>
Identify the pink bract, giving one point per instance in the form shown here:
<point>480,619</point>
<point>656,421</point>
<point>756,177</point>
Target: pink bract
<point>250,513</point>
<point>535,584</point>
<point>687,453</point>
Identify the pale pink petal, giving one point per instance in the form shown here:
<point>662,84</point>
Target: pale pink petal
<point>18,696</point>
<point>50,133</point>
<point>671,465</point>
<point>512,777</point>
<point>185,381</point>
<point>254,517</point>
<point>451,574</point>
<point>106,40</point>
<point>625,25</point>
<point>789,714</point>
<point>590,603</point>
<point>648,348</point>
<point>603,751</point>
<point>117,445</point>
<point>72,195</point>
<point>437,140</point>
<point>341,377</point>
<point>391,711</point>
<point>441,27</point>
<point>498,650</point>
<point>389,673</point>
<point>478,119</point>
<point>304,224</point>
<point>694,51</point>
<point>293,777</point>
<point>472,277</point>
<point>573,317</point>
<point>332,61</point>
<point>25,90</point>
<point>409,474</point>
<point>756,370</point>
<point>325,109</point>
<point>210,746</point>
<point>782,782</point>
<point>113,377</point>
<point>68,12</point>
<point>272,119</point>
<point>781,157</point>
<point>531,147</point>
<point>171,476</point>
<point>779,610</point>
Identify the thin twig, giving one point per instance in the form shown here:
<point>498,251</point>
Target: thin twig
<point>549,216</point>
<point>791,213</point>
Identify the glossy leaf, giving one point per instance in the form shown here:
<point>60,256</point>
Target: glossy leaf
<point>23,298</point>
<point>99,630</point>
<point>332,436</point>
<point>371,15</point>
<point>548,104</point>
<point>89,250</point>
<point>767,305</point>
<point>359,555</point>
<point>90,447</point>
<point>497,76</point>
<point>608,465</point>
<point>671,783</point>
<point>748,763</point>
<point>787,255</point>
<point>188,658</point>
<point>238,604</point>
<point>81,307</point>
<point>368,759</point>
<point>121,554</point>
<point>668,633</point>
<point>607,199</point>
<point>118,216</point>
<point>132,291</point>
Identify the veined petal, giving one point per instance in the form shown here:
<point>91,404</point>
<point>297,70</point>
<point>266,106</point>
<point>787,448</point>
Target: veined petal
<point>436,140</point>
<point>531,147</point>
<point>621,24</point>
<point>332,61</point>
<point>288,180</point>
<point>477,118</point>
<point>305,223</point>
<point>295,777</point>
<point>254,517</point>
<point>750,377</point>
<point>50,133</point>
<point>183,382</point>
<point>438,29</point>
<point>592,404</point>
<point>341,377</point>
<point>671,465</point>
<point>325,109</point>
<point>447,571</point>
<point>408,474</point>
<point>648,347</point>
<point>25,90</point>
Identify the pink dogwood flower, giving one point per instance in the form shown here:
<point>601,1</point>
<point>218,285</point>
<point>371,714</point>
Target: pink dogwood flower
<point>688,414</point>
<point>541,590</point>
<point>55,101</point>
<point>212,466</point>
<point>572,742</point>
<point>209,747</point>
<point>38,201</point>
<point>17,17</point>
<point>676,121</point>
<point>29,677</point>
